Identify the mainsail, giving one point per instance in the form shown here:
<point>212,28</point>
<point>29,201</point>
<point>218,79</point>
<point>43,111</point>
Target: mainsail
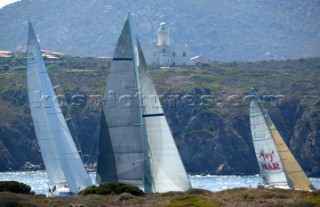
<point>164,170</point>
<point>120,154</point>
<point>59,153</point>
<point>277,165</point>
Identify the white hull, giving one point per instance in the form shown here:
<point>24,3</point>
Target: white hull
<point>60,192</point>
<point>274,186</point>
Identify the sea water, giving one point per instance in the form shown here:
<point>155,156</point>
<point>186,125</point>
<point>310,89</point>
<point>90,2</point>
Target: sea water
<point>38,181</point>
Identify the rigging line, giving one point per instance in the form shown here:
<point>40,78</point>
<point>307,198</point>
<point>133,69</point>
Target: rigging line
<point>93,143</point>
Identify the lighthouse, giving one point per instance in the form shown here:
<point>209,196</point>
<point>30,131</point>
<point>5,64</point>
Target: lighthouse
<point>165,55</point>
<point>163,35</point>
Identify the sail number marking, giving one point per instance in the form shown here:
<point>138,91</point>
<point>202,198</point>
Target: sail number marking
<point>269,157</point>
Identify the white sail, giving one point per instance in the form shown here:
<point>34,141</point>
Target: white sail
<point>164,170</point>
<point>59,153</point>
<point>270,164</point>
<point>277,165</point>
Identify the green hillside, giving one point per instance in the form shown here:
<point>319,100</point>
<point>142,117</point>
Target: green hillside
<point>206,108</point>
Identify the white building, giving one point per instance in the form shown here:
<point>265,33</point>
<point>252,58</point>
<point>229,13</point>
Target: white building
<point>200,60</point>
<point>164,54</point>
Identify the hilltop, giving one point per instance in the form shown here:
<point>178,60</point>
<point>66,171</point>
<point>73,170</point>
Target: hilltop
<point>223,30</point>
<point>205,106</point>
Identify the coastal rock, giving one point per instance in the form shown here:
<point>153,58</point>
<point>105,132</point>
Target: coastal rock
<point>212,135</point>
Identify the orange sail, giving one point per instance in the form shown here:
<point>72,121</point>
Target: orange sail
<point>297,179</point>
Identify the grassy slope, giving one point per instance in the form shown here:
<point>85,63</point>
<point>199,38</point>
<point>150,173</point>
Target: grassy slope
<point>197,198</point>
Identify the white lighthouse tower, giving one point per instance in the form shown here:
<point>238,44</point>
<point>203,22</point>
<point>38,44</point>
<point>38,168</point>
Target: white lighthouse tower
<point>163,35</point>
<point>165,55</point>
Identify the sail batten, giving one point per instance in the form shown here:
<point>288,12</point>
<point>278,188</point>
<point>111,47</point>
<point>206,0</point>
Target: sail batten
<point>121,59</point>
<point>276,162</point>
<point>152,115</point>
<point>59,154</point>
<point>260,140</point>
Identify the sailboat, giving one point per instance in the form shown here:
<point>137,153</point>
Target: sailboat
<point>277,165</point>
<point>62,161</point>
<point>136,145</point>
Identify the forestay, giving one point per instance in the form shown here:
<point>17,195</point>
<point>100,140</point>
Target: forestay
<point>59,153</point>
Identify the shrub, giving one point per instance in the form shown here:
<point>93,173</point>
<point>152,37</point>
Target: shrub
<point>112,188</point>
<point>313,201</point>
<point>130,189</point>
<point>191,201</point>
<point>15,187</point>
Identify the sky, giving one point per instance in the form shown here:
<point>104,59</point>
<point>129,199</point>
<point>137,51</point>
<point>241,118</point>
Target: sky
<point>5,2</point>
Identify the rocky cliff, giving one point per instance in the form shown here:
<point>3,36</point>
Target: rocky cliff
<point>206,108</point>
